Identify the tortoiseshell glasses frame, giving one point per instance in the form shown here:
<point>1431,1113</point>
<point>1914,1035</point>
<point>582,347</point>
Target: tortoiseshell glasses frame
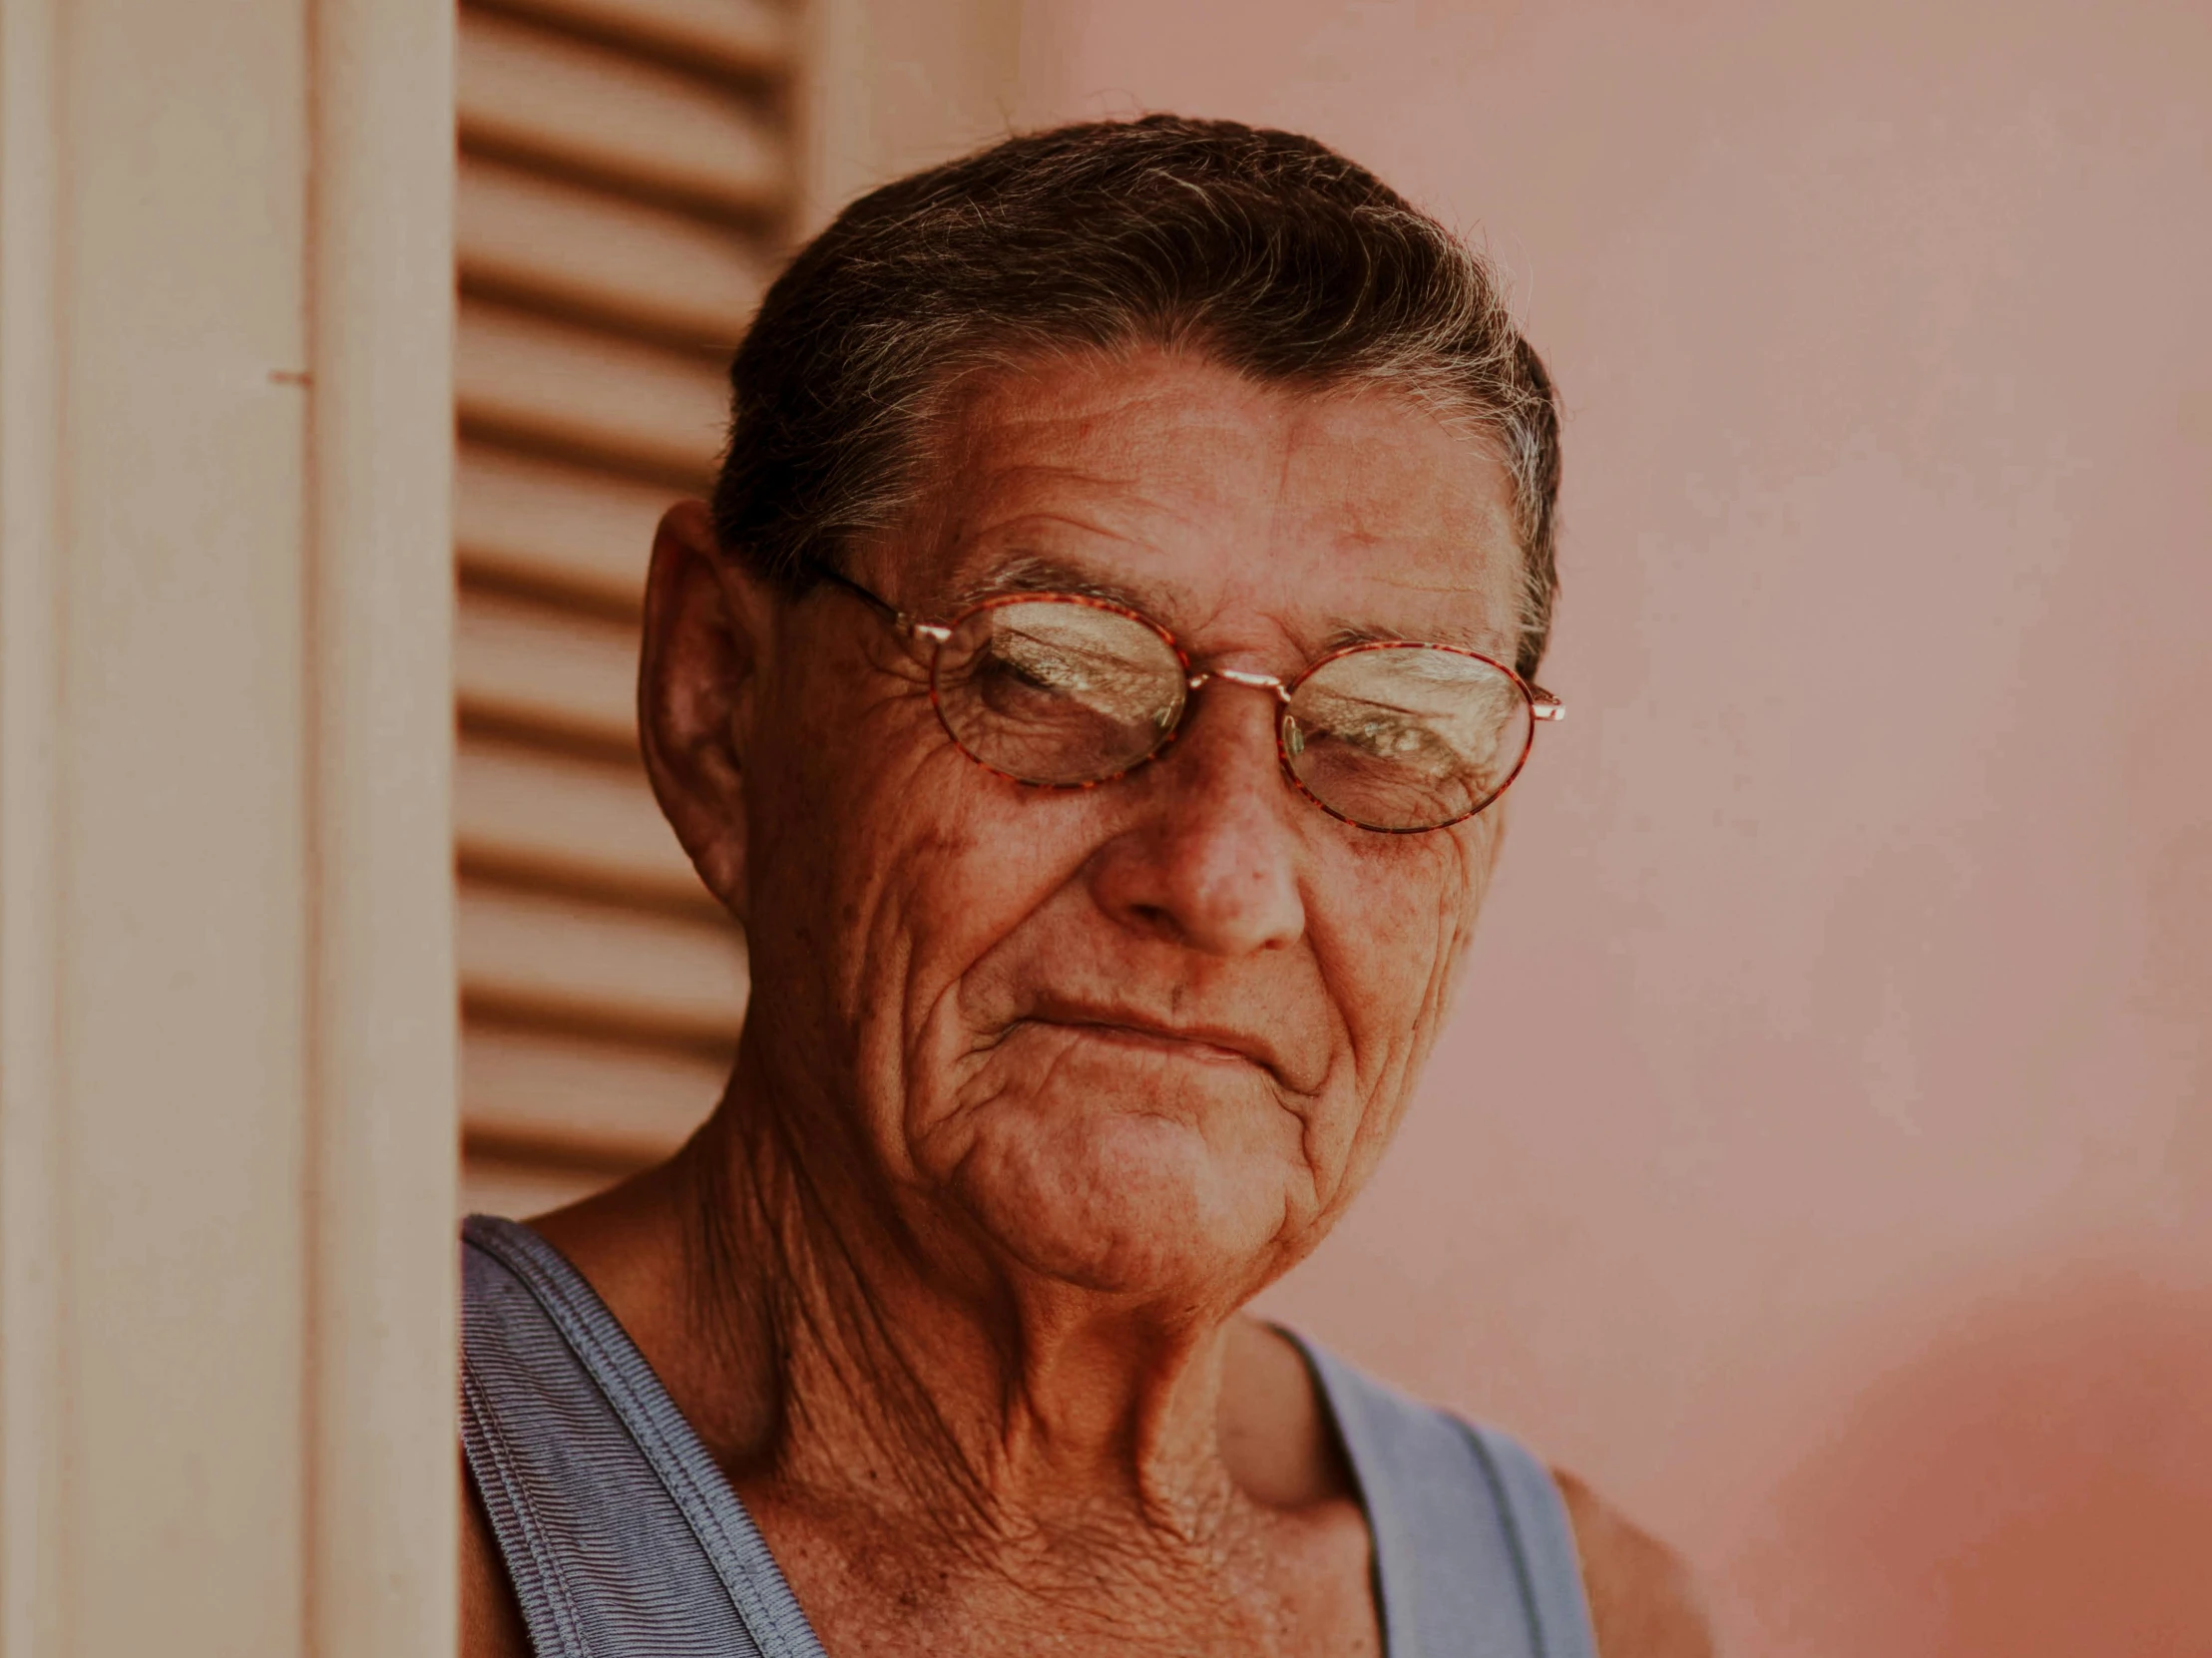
<point>1066,703</point>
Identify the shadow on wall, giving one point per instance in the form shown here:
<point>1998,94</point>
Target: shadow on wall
<point>2035,1479</point>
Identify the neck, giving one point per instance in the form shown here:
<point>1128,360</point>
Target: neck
<point>842,1350</point>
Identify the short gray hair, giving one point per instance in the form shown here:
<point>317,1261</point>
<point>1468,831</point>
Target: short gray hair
<point>1265,251</point>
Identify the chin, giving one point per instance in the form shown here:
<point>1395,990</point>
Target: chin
<point>1122,1203</point>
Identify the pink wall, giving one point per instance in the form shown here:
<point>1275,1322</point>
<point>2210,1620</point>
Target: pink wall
<point>1822,1159</point>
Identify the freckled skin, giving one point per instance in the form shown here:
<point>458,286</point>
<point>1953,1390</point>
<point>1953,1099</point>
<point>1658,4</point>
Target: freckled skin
<point>1039,1088</point>
<point>1201,885</point>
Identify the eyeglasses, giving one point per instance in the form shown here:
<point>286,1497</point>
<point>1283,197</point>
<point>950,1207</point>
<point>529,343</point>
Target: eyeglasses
<point>1064,692</point>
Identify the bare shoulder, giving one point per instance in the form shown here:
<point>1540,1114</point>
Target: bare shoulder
<point>490,1619</point>
<point>1642,1597</point>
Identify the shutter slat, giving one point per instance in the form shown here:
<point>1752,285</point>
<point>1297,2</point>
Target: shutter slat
<point>581,1100</point>
<point>542,523</point>
<point>591,394</point>
<point>534,958</point>
<point>564,822</point>
<point>624,166</point>
<point>530,92</point>
<point>575,249</point>
<point>740,37</point>
<point>566,674</point>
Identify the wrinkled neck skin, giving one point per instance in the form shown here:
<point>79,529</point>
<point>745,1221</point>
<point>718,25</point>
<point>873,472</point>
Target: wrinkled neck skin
<point>866,1353</point>
<point>1039,1086</point>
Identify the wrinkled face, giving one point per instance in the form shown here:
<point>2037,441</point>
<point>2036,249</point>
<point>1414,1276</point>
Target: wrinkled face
<point>1149,1036</point>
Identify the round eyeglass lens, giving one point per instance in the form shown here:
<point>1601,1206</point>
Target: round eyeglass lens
<point>1058,691</point>
<point>1405,736</point>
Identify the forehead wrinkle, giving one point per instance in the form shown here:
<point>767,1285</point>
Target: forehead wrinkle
<point>1358,529</point>
<point>1082,497</point>
<point>1486,636</point>
<point>1026,571</point>
<point>1070,436</point>
<point>1084,462</point>
<point>1010,562</point>
<point>1304,413</point>
<point>981,528</point>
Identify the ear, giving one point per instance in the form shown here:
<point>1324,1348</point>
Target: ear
<point>707,634</point>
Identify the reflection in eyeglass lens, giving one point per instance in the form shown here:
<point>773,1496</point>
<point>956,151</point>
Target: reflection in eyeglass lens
<point>1406,737</point>
<point>1063,694</point>
<point>1058,692</point>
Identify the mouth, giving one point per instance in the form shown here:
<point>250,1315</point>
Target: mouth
<point>1208,1044</point>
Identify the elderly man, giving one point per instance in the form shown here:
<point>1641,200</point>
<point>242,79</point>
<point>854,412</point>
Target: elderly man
<point>1092,687</point>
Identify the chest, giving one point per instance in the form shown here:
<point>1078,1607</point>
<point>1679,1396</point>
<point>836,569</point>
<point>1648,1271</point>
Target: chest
<point>1276,1585</point>
<point>608,1528</point>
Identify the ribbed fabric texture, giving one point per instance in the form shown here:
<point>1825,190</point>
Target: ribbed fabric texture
<point>623,1539</point>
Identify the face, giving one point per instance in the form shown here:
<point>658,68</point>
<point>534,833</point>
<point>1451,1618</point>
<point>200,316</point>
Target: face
<point>1147,1037</point>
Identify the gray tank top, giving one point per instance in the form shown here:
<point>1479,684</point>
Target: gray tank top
<point>622,1537</point>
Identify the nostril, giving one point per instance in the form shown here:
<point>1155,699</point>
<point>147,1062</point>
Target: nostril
<point>1156,918</point>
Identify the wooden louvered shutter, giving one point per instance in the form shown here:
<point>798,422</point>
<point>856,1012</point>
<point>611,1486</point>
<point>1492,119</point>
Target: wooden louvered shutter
<point>625,174</point>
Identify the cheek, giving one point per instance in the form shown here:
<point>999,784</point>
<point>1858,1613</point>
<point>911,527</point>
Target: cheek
<point>1392,927</point>
<point>888,863</point>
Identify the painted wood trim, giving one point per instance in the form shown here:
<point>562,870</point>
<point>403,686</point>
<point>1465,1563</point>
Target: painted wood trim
<point>31,1371</point>
<point>382,1180</point>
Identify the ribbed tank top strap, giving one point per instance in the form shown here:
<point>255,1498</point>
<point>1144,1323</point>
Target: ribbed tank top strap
<point>622,1537</point>
<point>1474,1554</point>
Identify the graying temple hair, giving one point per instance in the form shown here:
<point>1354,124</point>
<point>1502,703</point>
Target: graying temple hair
<point>1265,251</point>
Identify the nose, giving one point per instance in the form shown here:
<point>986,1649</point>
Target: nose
<point>1212,861</point>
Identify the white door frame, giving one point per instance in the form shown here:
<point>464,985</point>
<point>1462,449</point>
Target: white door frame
<point>226,1010</point>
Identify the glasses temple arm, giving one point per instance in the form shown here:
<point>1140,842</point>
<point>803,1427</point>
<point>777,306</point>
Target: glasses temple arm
<point>827,571</point>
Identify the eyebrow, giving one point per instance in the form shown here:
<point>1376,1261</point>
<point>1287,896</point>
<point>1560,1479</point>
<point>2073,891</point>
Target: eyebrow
<point>1026,571</point>
<point>1483,642</point>
<point>1037,573</point>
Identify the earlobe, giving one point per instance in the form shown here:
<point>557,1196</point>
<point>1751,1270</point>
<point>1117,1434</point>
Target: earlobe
<point>704,640</point>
